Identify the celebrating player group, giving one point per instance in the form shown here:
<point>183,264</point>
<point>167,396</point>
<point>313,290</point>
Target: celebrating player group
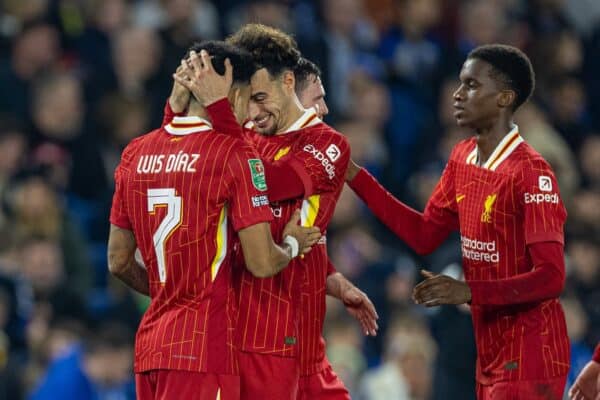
<point>229,201</point>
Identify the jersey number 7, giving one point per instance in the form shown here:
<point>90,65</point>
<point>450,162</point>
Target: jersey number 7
<point>164,198</point>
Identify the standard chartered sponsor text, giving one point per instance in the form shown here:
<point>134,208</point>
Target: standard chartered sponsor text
<point>477,250</point>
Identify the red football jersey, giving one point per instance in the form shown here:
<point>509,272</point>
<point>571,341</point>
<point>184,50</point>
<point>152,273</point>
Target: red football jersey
<point>183,191</point>
<point>501,207</point>
<point>284,315</point>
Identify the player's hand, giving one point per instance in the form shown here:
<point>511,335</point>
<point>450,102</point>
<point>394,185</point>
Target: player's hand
<point>180,95</point>
<point>306,236</point>
<point>352,170</point>
<point>586,385</point>
<point>359,305</point>
<point>436,290</point>
<point>200,78</point>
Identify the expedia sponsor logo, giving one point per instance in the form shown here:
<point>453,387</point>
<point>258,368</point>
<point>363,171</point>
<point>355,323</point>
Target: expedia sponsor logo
<point>538,198</point>
<point>477,250</point>
<point>333,152</point>
<point>545,183</point>
<point>319,156</point>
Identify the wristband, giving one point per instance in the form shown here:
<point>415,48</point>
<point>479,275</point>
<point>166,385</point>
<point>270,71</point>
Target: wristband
<point>293,243</point>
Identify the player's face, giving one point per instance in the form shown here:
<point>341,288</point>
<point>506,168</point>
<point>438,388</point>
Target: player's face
<point>269,101</point>
<point>313,95</point>
<point>476,101</point>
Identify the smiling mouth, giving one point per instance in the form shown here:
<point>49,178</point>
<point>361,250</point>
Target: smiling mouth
<point>262,121</point>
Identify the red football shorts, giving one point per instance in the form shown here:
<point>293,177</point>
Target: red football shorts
<point>264,376</point>
<point>324,385</point>
<point>165,384</point>
<point>551,389</point>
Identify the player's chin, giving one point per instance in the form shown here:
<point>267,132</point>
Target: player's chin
<point>461,121</point>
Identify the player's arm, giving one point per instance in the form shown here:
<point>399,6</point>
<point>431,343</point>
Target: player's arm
<point>421,231</point>
<point>121,241</point>
<point>121,260</point>
<point>357,303</point>
<point>543,219</point>
<point>250,214</point>
<point>263,257</point>
<point>587,384</point>
<point>177,102</point>
<point>545,281</point>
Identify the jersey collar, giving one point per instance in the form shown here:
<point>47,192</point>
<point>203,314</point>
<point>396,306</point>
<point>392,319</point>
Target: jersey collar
<point>186,125</point>
<point>308,118</point>
<point>504,149</point>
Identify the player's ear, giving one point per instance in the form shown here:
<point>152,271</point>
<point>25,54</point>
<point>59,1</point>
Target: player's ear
<point>506,98</point>
<point>289,80</point>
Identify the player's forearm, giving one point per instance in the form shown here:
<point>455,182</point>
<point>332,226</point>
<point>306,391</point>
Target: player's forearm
<point>280,258</point>
<point>223,120</point>
<point>136,277</point>
<point>411,226</point>
<point>545,281</point>
<point>169,113</point>
<point>121,260</point>
<point>335,285</point>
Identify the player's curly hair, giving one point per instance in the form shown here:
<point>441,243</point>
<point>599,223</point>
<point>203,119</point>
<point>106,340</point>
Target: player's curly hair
<point>271,48</point>
<point>241,60</point>
<point>303,70</point>
<point>512,68</point>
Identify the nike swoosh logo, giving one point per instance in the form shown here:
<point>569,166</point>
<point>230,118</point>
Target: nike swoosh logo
<point>460,197</point>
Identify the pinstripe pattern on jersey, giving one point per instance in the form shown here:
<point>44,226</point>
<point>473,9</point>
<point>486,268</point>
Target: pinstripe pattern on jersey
<point>517,342</point>
<point>189,323</point>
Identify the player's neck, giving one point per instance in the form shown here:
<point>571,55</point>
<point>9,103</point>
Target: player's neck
<point>195,109</point>
<point>294,112</point>
<point>489,138</point>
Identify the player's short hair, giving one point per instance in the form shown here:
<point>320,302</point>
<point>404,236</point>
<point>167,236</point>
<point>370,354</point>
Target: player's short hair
<point>304,69</point>
<point>512,67</point>
<point>241,60</point>
<point>271,48</point>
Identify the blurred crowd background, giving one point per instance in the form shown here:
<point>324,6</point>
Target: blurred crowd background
<point>80,78</point>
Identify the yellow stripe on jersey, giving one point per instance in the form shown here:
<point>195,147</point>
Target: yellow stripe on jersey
<point>221,240</point>
<point>219,394</point>
<point>310,209</point>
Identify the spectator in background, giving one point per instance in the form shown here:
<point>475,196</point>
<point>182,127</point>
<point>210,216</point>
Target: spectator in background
<point>42,266</point>
<point>342,49</point>
<point>366,128</point>
<point>583,280</point>
<point>568,109</point>
<point>538,132</point>
<point>344,341</point>
<point>37,213</point>
<point>116,129</point>
<point>104,19</point>
<point>137,55</point>
<point>35,51</point>
<point>407,371</point>
<point>59,117</point>
<point>577,325</point>
<point>411,55</point>
<point>9,387</point>
<point>97,369</point>
<point>13,147</point>
<point>589,158</point>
